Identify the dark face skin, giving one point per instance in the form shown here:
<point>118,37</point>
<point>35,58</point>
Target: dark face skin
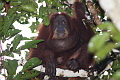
<point>60,27</point>
<point>62,39</point>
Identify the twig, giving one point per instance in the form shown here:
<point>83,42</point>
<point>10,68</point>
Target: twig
<point>93,11</point>
<point>60,72</point>
<point>64,73</point>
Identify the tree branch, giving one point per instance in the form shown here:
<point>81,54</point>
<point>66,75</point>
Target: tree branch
<point>94,12</point>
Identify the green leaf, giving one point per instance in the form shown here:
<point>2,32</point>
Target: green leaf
<point>39,1</point>
<point>1,34</point>
<point>16,41</point>
<point>1,23</point>
<point>14,0</point>
<point>29,8</point>
<point>18,76</point>
<point>108,26</point>
<point>25,2</point>
<point>112,30</point>
<point>12,12</point>
<point>116,75</point>
<point>12,32</point>
<point>30,44</point>
<point>11,66</point>
<point>52,10</point>
<point>25,38</point>
<point>46,20</point>
<point>30,74</point>
<point>33,62</point>
<point>98,41</point>
<point>8,22</point>
<point>15,3</point>
<point>1,5</point>
<point>10,77</point>
<point>34,3</point>
<point>116,37</point>
<point>33,27</point>
<point>6,53</point>
<point>104,51</point>
<point>42,11</point>
<point>116,65</point>
<point>8,0</point>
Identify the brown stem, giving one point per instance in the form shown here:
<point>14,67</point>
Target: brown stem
<point>7,6</point>
<point>94,12</point>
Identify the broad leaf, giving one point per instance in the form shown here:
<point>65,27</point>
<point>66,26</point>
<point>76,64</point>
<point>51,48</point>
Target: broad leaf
<point>31,63</point>
<point>18,76</point>
<point>98,41</point>
<point>11,66</point>
<point>31,44</point>
<point>16,41</point>
<point>104,51</point>
<point>29,8</point>
<point>12,32</point>
<point>30,74</point>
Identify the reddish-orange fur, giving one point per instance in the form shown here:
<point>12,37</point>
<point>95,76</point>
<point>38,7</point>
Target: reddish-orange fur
<point>77,29</point>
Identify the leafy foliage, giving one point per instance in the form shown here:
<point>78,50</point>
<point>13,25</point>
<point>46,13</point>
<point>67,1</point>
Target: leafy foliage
<point>106,38</point>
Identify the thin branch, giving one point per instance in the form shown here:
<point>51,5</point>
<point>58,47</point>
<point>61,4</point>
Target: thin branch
<point>94,12</point>
<point>7,6</point>
<point>59,71</point>
<point>64,73</point>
